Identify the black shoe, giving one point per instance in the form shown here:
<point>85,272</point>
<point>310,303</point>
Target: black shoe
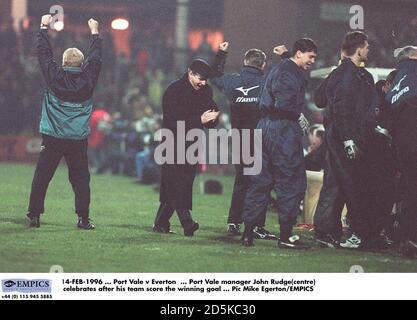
<point>248,236</point>
<point>85,224</point>
<point>262,233</point>
<point>293,243</point>
<point>327,241</point>
<point>159,229</point>
<point>233,229</point>
<point>190,229</point>
<point>409,249</point>
<point>34,222</point>
<point>386,239</point>
<point>376,244</point>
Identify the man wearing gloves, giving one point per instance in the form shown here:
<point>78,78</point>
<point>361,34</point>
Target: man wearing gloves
<point>281,102</point>
<point>66,112</point>
<point>350,92</point>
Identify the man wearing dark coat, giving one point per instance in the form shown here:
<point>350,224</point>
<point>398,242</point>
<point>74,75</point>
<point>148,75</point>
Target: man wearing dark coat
<point>187,101</point>
<point>350,92</point>
<point>402,104</point>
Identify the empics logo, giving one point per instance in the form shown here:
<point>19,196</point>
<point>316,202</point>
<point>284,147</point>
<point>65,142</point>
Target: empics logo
<point>26,286</point>
<point>9,283</point>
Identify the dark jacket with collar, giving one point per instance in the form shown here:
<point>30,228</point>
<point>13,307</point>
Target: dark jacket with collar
<point>402,104</point>
<point>67,104</point>
<point>284,89</point>
<point>404,87</point>
<point>182,103</point>
<point>242,90</point>
<point>351,94</point>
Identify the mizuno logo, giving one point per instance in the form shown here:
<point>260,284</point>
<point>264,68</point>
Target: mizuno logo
<point>246,91</point>
<point>398,86</point>
<point>247,100</point>
<point>397,96</point>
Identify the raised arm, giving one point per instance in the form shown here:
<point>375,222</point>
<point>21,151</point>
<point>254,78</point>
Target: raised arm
<point>218,79</point>
<point>47,63</point>
<point>92,64</point>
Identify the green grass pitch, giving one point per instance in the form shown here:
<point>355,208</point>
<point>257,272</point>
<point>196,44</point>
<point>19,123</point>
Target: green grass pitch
<point>123,242</point>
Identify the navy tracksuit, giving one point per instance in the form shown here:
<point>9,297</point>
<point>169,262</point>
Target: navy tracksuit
<point>402,101</point>
<point>283,169</point>
<point>242,90</point>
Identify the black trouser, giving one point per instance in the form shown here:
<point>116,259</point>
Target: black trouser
<point>406,141</point>
<point>243,182</point>
<point>381,184</point>
<point>241,186</point>
<point>165,213</point>
<point>75,154</point>
<point>327,218</point>
<point>354,180</point>
<point>283,170</point>
<point>408,219</point>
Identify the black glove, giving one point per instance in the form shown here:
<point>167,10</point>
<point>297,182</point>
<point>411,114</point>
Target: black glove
<point>351,149</point>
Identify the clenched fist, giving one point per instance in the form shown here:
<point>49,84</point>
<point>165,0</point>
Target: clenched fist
<point>279,50</point>
<point>224,46</point>
<point>93,24</point>
<point>46,19</point>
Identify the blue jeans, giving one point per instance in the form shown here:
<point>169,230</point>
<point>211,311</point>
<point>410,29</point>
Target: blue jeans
<point>142,158</point>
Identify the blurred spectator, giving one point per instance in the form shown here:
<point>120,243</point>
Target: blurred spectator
<point>100,125</point>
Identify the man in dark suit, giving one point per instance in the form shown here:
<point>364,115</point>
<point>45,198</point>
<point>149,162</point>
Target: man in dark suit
<point>189,102</point>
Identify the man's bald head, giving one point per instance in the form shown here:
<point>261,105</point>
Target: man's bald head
<point>407,52</point>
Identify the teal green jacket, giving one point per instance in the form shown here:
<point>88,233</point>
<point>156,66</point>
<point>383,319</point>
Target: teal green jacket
<point>66,120</point>
<point>68,103</point>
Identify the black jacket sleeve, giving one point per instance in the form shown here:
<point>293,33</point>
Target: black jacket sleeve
<point>344,116</point>
<point>219,78</point>
<point>320,98</point>
<point>214,107</point>
<point>93,62</point>
<point>286,55</point>
<point>219,63</point>
<point>49,67</point>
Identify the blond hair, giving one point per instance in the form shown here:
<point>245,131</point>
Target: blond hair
<point>405,53</point>
<point>72,57</point>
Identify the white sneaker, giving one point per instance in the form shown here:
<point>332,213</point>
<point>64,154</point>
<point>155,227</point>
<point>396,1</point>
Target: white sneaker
<point>354,242</point>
